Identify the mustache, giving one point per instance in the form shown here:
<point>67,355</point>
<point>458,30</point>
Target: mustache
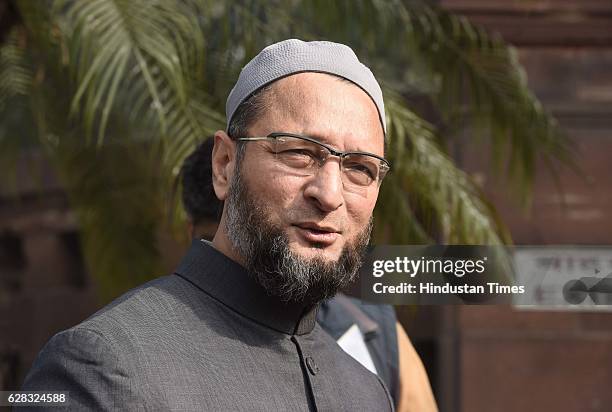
<point>309,215</point>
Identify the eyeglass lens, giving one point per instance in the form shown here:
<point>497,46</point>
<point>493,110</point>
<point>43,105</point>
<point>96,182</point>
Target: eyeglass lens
<point>303,156</point>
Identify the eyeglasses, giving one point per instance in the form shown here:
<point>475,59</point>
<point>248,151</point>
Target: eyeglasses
<point>305,155</point>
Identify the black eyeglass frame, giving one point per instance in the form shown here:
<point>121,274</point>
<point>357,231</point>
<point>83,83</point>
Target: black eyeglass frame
<point>385,166</point>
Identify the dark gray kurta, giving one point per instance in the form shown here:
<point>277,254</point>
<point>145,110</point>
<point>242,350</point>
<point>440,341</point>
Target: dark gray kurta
<point>205,338</point>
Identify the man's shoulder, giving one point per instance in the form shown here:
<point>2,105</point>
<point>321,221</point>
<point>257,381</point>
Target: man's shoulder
<point>153,304</point>
<point>100,360</point>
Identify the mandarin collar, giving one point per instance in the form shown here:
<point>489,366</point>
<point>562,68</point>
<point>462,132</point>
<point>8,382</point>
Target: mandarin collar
<point>230,283</point>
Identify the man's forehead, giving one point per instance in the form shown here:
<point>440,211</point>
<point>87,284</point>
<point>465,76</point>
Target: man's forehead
<point>298,91</point>
<point>324,107</point>
<point>303,88</point>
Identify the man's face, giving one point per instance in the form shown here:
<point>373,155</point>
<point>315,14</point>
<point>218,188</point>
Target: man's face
<point>303,236</point>
<point>317,215</point>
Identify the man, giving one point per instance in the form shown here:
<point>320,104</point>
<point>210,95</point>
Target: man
<point>234,327</point>
<point>369,333</point>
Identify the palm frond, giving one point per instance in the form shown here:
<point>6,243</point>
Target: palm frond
<point>15,70</point>
<point>109,39</point>
<point>479,77</point>
<point>452,208</point>
<point>141,61</point>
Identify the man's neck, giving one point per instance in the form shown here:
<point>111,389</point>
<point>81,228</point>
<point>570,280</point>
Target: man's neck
<point>228,282</point>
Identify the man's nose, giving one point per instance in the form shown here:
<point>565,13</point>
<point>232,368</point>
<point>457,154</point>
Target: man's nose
<point>325,188</point>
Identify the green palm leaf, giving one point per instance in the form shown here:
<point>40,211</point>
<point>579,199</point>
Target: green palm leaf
<point>438,198</point>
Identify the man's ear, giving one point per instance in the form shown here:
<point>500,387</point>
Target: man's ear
<point>223,162</point>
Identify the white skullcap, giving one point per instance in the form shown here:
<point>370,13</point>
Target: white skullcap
<point>296,56</point>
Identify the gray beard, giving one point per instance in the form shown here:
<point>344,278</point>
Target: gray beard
<point>265,250</point>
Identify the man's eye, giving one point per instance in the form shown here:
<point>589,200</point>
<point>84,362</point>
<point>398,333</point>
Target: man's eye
<point>297,157</point>
<point>298,152</point>
<point>361,169</point>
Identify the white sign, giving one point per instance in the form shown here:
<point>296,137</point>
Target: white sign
<point>564,277</point>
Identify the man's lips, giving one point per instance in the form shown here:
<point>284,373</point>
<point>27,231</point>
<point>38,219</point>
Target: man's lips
<point>315,233</point>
